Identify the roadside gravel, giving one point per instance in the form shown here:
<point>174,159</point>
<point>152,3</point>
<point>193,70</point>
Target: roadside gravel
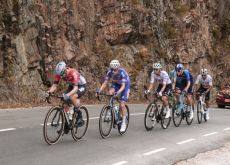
<point>219,156</point>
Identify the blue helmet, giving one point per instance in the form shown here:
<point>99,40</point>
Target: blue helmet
<point>60,67</point>
<point>179,67</point>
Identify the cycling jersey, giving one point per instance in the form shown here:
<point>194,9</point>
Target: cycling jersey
<point>73,78</point>
<point>162,78</point>
<point>205,83</point>
<point>117,80</point>
<point>182,80</point>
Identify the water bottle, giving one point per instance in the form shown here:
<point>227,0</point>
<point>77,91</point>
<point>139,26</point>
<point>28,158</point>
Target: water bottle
<point>116,112</point>
<point>68,112</point>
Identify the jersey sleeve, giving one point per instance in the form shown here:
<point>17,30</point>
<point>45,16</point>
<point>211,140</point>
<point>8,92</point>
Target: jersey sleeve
<point>108,75</point>
<point>165,77</point>
<point>124,77</point>
<point>76,78</point>
<point>210,82</point>
<point>56,79</point>
<point>187,75</point>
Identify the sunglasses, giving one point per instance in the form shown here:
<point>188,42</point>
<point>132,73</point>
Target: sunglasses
<point>203,75</point>
<point>155,69</point>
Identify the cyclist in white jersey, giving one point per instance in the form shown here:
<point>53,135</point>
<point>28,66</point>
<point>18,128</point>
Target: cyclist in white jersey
<point>164,87</point>
<point>205,81</point>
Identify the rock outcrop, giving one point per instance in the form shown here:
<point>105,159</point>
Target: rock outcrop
<point>35,35</point>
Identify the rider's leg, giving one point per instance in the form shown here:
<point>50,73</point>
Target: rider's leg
<point>190,105</point>
<point>207,98</point>
<point>166,105</point>
<point>124,100</point>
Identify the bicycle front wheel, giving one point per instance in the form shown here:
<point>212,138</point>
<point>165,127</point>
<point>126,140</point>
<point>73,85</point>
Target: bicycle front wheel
<point>126,121</point>
<point>199,112</point>
<point>80,129</point>
<point>150,116</point>
<point>177,115</point>
<point>188,120</point>
<point>53,125</point>
<point>164,121</point>
<point>106,121</point>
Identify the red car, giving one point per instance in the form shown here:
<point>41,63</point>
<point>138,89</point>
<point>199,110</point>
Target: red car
<point>223,97</point>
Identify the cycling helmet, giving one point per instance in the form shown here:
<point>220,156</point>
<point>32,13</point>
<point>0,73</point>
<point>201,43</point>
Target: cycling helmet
<point>204,71</point>
<point>179,67</point>
<point>60,67</point>
<point>157,66</point>
<point>114,64</point>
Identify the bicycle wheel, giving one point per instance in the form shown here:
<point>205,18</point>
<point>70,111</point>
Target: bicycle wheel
<point>205,116</point>
<point>126,121</point>
<point>199,112</point>
<point>79,130</point>
<point>150,116</point>
<point>187,114</point>
<point>53,125</point>
<point>106,121</point>
<point>177,115</point>
<point>164,121</point>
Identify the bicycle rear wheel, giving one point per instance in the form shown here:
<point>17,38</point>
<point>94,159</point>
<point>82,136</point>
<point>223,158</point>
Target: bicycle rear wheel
<point>79,131</point>
<point>199,112</point>
<point>150,116</point>
<point>177,115</point>
<point>106,121</point>
<point>164,121</point>
<point>53,125</point>
<point>126,121</point>
<point>187,115</point>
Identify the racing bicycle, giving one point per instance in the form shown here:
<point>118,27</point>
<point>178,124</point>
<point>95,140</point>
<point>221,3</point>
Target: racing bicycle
<point>201,108</point>
<point>110,116</point>
<point>57,122</point>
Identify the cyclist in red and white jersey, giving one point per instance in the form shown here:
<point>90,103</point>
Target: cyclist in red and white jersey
<point>205,81</point>
<point>76,89</point>
<point>164,87</point>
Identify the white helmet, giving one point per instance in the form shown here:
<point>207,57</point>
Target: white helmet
<point>204,71</point>
<point>157,66</point>
<point>114,64</point>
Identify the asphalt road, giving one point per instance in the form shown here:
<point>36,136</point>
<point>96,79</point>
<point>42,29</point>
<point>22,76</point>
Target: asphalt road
<point>21,140</point>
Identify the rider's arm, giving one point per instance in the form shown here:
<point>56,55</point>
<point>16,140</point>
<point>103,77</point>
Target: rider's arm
<point>174,83</point>
<point>163,87</point>
<point>73,91</point>
<point>151,81</point>
<point>53,88</point>
<point>210,85</point>
<point>187,86</point>
<point>103,85</point>
<point>121,88</point>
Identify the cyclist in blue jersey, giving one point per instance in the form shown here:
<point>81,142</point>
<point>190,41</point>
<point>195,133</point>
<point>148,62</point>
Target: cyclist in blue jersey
<point>120,87</point>
<point>183,82</point>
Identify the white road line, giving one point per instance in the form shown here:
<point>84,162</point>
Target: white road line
<point>226,129</point>
<point>120,163</point>
<point>210,134</point>
<point>7,129</point>
<point>185,141</point>
<point>154,151</point>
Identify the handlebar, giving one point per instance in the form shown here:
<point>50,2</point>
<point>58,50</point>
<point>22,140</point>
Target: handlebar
<point>53,95</point>
<point>107,95</point>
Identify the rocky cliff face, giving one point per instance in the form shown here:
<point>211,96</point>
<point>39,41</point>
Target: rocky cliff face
<point>36,34</point>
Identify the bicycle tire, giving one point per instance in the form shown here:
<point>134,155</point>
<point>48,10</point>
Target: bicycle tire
<point>150,113</point>
<point>187,116</point>
<point>164,121</point>
<point>127,121</point>
<point>205,116</point>
<point>59,132</point>
<point>78,132</point>
<point>177,116</point>
<point>102,120</point>
<point>199,112</point>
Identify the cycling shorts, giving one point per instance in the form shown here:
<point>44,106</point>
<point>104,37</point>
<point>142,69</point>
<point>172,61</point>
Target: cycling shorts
<point>125,93</point>
<point>166,91</point>
<point>202,90</point>
<point>80,92</point>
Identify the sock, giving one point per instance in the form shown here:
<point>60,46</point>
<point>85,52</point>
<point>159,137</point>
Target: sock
<point>123,119</point>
